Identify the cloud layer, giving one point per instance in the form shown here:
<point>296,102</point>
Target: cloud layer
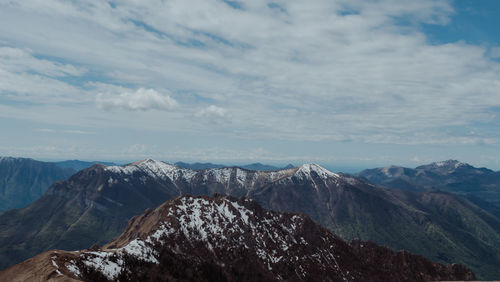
<point>332,71</point>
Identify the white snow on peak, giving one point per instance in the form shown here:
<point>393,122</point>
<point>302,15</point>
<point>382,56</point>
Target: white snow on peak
<point>221,175</point>
<point>305,171</point>
<point>103,262</point>
<point>111,263</point>
<point>215,223</point>
<point>200,218</point>
<point>161,170</point>
<point>449,163</point>
<point>386,170</point>
<point>218,224</point>
<point>73,268</point>
<point>155,169</point>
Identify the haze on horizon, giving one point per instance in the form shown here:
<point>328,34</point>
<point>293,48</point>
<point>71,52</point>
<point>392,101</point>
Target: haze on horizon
<point>347,82</point>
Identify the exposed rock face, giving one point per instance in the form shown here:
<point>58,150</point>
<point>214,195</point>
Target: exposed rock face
<point>23,181</point>
<point>229,239</point>
<point>94,206</point>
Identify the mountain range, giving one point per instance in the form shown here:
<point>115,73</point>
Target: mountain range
<point>480,185</point>
<point>94,205</point>
<point>253,166</point>
<point>23,181</point>
<point>229,239</point>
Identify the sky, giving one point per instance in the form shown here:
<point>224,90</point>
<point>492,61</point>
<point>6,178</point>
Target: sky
<point>342,83</point>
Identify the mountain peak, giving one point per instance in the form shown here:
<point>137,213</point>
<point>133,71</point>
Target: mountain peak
<point>449,163</point>
<point>444,166</point>
<point>305,170</point>
<point>224,238</point>
<point>147,161</point>
<point>155,169</point>
<point>2,159</point>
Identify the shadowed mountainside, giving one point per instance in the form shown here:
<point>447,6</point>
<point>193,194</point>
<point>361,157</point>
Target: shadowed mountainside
<point>23,181</point>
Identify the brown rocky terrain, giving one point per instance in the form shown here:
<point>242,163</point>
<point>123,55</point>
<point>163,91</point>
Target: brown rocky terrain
<point>229,239</point>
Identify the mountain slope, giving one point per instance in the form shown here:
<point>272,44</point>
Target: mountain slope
<point>23,181</point>
<point>441,226</point>
<point>94,205</point>
<point>451,176</point>
<point>227,239</point>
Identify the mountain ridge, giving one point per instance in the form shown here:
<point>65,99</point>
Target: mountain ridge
<point>233,239</point>
<point>252,166</point>
<point>94,205</point>
<point>450,176</point>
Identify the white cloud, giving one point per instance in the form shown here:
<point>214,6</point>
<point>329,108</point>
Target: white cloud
<point>317,70</point>
<point>212,112</point>
<point>48,130</point>
<point>142,99</point>
<point>24,77</point>
<point>214,115</point>
<point>22,60</point>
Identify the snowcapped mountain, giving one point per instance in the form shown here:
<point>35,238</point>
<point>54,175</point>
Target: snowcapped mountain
<point>94,206</point>
<point>229,239</point>
<point>227,176</point>
<point>444,167</point>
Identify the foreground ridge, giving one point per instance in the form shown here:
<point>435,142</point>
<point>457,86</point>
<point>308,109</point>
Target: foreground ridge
<point>228,239</point>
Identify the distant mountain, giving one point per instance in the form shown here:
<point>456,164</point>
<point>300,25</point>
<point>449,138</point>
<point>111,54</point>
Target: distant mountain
<point>226,239</point>
<point>254,166</point>
<point>79,165</point>
<point>259,166</point>
<point>451,176</point>
<point>198,166</point>
<point>94,205</point>
<point>23,181</point>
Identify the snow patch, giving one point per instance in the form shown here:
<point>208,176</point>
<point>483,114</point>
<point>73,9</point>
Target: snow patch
<point>101,262</point>
<point>73,268</point>
<point>139,249</point>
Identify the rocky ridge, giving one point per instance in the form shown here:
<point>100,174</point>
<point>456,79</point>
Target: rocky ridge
<point>229,239</point>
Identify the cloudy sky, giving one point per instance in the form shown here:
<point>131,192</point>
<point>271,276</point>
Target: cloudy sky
<point>338,82</point>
